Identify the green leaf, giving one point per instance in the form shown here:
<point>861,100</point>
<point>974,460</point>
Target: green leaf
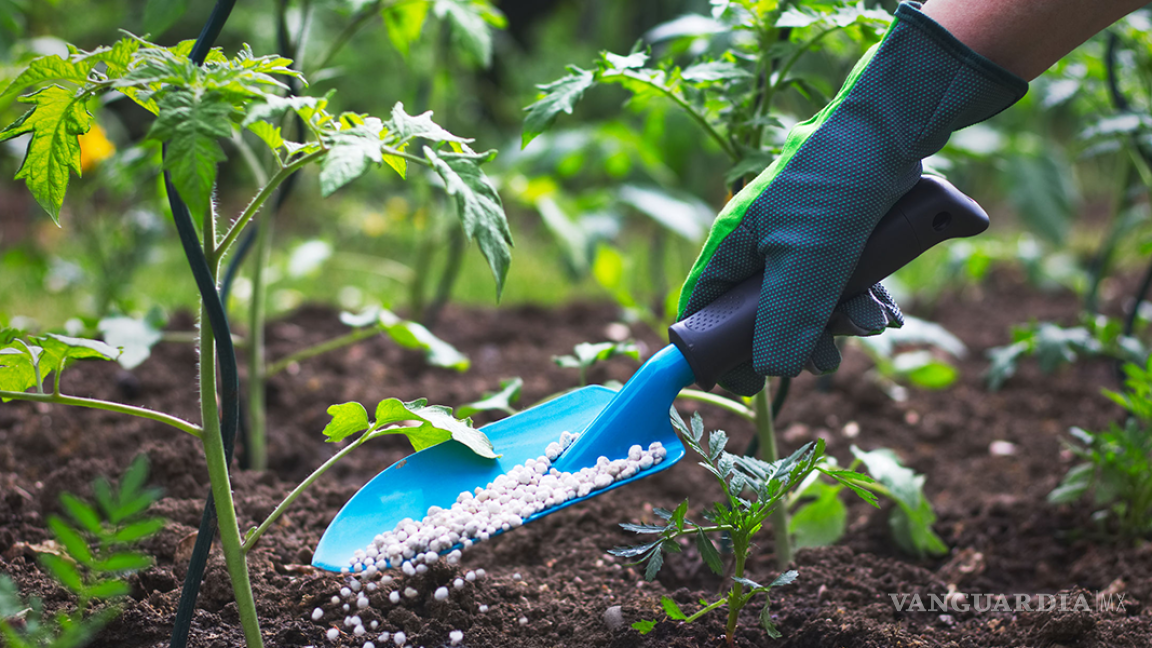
<point>71,540</point>
<point>133,480</point>
<point>671,609</point>
<point>190,125</point>
<point>929,373</point>
<point>633,551</point>
<point>852,479</point>
<point>347,419</point>
<point>502,400</point>
<point>122,562</point>
<point>49,68</point>
<point>911,523</point>
<point>138,531</point>
<point>766,622</point>
<point>1003,363</point>
<point>477,205</point>
<point>350,151</point>
<point>748,583</point>
<point>407,127</point>
<point>468,21</point>
<point>655,562</point>
<point>56,121</point>
<point>557,97</point>
<point>785,578</point>
<point>716,442</point>
<point>403,22</point>
<point>436,425</point>
<point>643,528</point>
<point>1074,485</point>
<point>708,552</point>
<point>820,522</point>
<point>17,371</point>
<point>413,335</point>
<point>679,514</point>
<point>73,348</point>
<point>268,133</point>
<point>108,589</point>
<point>135,337</point>
<point>63,571</point>
<point>682,215</point>
<point>82,512</point>
<point>159,15</point>
<point>715,71</point>
<point>644,627</point>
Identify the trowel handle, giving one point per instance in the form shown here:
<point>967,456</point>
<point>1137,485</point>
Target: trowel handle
<point>718,338</point>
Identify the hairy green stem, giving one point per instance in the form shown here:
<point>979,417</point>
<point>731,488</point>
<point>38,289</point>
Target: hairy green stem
<point>736,595</point>
<point>257,410</point>
<point>324,347</point>
<point>766,432</point>
<point>705,610</point>
<point>254,537</point>
<point>93,403</point>
<point>719,401</point>
<point>215,457</point>
<point>253,207</point>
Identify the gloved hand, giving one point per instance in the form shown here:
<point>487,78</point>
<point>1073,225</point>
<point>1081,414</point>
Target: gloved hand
<point>804,221</point>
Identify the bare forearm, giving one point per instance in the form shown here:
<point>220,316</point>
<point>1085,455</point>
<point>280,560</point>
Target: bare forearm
<point>1027,36</point>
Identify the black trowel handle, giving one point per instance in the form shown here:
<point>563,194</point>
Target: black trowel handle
<point>719,337</point>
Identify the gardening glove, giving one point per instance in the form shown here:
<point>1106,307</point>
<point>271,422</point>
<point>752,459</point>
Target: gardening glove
<point>804,221</point>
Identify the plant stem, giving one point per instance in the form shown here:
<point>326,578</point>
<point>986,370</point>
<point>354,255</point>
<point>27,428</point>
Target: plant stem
<point>725,145</point>
<point>719,401</point>
<point>217,461</point>
<point>93,403</point>
<point>705,610</point>
<point>766,432</point>
<point>258,202</point>
<point>324,347</point>
<point>736,595</point>
<point>258,416</point>
<point>296,492</point>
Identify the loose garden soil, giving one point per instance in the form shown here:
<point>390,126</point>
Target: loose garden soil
<point>1003,536</point>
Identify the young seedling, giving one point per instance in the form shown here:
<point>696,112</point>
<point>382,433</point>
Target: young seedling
<point>586,354</point>
<point>1117,462</point>
<point>738,518</point>
<point>93,563</point>
<point>1054,346</point>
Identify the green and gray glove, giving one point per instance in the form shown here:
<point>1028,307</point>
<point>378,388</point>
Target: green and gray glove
<point>804,221</point>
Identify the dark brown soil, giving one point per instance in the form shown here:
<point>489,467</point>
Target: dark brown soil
<point>1003,536</point>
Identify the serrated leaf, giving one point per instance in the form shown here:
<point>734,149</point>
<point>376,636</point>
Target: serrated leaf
<point>478,206</point>
<point>159,15</point>
<point>56,121</point>
<point>347,419</point>
<point>635,550</point>
<point>122,562</point>
<point>766,622</point>
<point>911,523</point>
<point>63,571</point>
<point>643,627</point>
<point>502,400</point>
<point>406,127</point>
<point>708,553</point>
<point>716,442</point>
<point>350,151</point>
<point>642,528</point>
<point>49,68</point>
<point>679,514</point>
<point>436,426</point>
<point>268,133</point>
<point>747,582</point>
<point>133,480</point>
<point>557,97</point>
<point>82,512</point>
<point>655,562</point>
<point>17,372</point>
<point>850,479</point>
<point>785,578</point>
<point>671,609</point>
<point>71,540</point>
<point>72,348</point>
<point>403,22</point>
<point>189,124</point>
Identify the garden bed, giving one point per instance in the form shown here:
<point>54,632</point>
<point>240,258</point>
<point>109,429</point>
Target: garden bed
<point>1003,535</point>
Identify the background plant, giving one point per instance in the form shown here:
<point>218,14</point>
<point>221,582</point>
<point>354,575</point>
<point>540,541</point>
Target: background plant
<point>1116,464</point>
<point>94,559</point>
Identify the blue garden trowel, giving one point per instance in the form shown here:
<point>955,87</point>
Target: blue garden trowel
<point>705,347</point>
